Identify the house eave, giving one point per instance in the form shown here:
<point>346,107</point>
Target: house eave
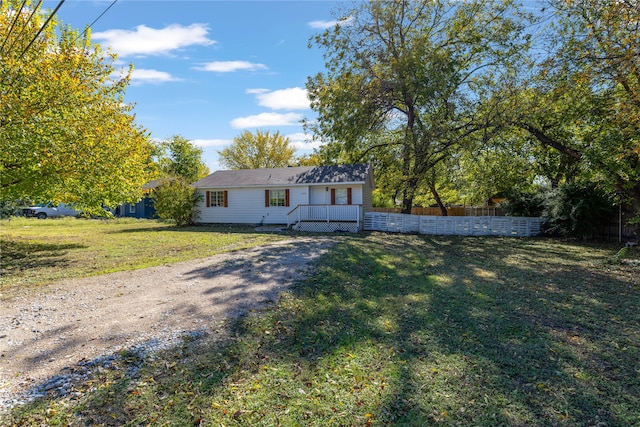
<point>273,185</point>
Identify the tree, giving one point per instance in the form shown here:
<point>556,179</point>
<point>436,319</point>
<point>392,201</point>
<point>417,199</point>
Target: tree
<point>180,163</point>
<point>581,105</point>
<point>259,150</point>
<point>486,168</point>
<point>177,156</point>
<point>600,42</point>
<point>598,48</point>
<point>401,79</point>
<point>308,160</point>
<point>66,134</point>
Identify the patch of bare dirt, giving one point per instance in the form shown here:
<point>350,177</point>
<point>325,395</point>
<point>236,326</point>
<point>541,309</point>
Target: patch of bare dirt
<point>48,334</point>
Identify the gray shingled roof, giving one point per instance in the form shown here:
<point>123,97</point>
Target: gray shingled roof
<point>302,175</point>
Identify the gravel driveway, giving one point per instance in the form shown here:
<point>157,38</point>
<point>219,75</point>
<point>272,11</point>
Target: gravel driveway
<point>47,338</point>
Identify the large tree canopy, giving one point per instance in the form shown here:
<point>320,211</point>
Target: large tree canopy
<point>178,157</point>
<point>259,150</point>
<point>401,81</point>
<point>66,134</point>
<point>581,105</point>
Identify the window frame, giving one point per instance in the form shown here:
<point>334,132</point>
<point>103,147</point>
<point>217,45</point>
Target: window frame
<point>279,195</point>
<point>349,196</point>
<point>217,199</point>
<point>342,199</point>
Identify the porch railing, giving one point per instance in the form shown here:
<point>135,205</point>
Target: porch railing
<point>326,213</point>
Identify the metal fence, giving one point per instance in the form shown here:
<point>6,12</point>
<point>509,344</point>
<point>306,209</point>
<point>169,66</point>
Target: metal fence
<point>459,225</point>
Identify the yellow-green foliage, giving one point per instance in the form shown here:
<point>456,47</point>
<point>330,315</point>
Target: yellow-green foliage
<point>66,134</point>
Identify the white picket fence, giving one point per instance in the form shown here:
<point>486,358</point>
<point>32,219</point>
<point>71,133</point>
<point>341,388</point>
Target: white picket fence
<point>453,225</point>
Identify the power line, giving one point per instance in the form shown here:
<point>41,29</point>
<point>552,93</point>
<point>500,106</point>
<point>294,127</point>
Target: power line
<point>33,12</point>
<point>95,20</point>
<point>100,16</point>
<point>13,24</point>
<point>42,28</point>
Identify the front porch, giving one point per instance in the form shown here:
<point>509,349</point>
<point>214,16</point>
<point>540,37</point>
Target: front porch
<point>325,218</point>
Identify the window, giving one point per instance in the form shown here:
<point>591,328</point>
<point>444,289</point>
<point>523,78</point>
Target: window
<point>132,208</point>
<point>341,196</point>
<point>217,199</point>
<point>276,198</point>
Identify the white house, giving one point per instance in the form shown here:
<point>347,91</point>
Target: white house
<point>308,198</point>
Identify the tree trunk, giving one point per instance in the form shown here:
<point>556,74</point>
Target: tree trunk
<point>408,192</point>
<point>407,205</point>
<point>410,183</point>
<point>408,154</point>
<point>434,192</point>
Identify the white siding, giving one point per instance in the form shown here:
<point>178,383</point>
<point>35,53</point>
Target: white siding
<point>367,196</point>
<point>247,206</point>
<point>356,194</point>
<point>303,196</point>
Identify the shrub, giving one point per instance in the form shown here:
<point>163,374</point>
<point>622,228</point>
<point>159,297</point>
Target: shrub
<point>7,209</point>
<point>524,202</point>
<point>175,200</point>
<point>577,210</point>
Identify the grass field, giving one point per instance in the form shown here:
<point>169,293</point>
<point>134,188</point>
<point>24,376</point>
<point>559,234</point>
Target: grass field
<point>34,252</point>
<point>401,330</point>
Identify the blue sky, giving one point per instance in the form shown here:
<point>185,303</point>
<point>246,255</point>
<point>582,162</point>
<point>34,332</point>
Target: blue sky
<point>208,70</point>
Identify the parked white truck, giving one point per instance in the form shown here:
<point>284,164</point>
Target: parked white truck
<point>48,210</point>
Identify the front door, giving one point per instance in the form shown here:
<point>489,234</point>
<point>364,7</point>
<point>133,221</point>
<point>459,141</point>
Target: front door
<point>320,196</point>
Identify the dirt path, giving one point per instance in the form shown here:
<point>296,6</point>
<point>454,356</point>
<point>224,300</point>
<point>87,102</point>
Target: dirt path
<point>49,334</point>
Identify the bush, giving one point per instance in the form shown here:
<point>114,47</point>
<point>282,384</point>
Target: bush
<point>175,200</point>
<point>7,209</point>
<point>524,203</point>
<point>577,210</point>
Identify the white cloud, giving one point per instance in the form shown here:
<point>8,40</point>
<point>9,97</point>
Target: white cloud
<point>266,119</point>
<point>211,142</point>
<point>257,91</point>
<point>231,66</point>
<point>294,98</point>
<point>142,76</point>
<point>150,41</point>
<point>303,141</point>
<point>323,25</point>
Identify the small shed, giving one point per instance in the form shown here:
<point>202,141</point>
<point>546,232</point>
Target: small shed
<point>306,198</point>
<point>144,208</point>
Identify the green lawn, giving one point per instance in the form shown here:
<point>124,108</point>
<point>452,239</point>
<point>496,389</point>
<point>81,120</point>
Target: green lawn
<point>34,252</point>
<point>396,330</point>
